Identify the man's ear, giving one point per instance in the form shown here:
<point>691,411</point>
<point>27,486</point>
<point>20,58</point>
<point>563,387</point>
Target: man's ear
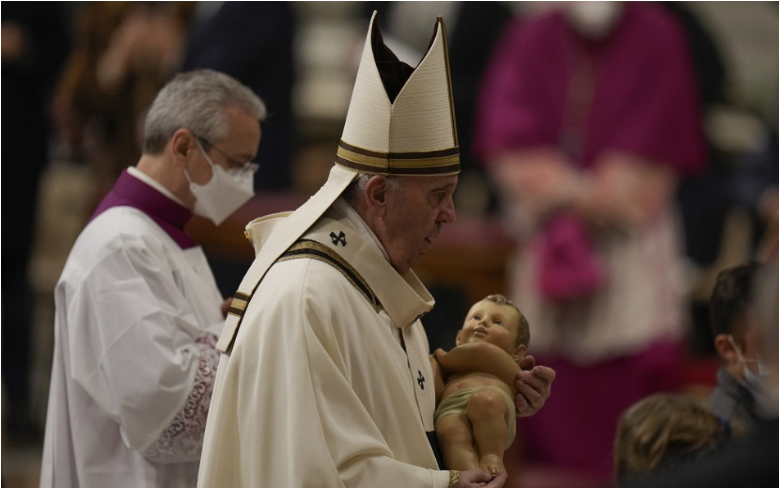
<point>520,353</point>
<point>376,194</point>
<point>180,146</point>
<point>724,348</point>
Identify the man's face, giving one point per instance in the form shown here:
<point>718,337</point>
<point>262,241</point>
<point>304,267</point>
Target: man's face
<point>415,212</point>
<point>239,147</point>
<point>749,344</point>
<point>491,323</point>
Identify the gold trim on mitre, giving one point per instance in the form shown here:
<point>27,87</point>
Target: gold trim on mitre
<point>440,162</point>
<point>410,132</point>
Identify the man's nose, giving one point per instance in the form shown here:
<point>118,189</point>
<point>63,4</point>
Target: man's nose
<point>449,213</point>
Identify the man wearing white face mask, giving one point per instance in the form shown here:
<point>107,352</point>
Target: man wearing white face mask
<point>737,340</point>
<point>226,191</point>
<point>138,310</point>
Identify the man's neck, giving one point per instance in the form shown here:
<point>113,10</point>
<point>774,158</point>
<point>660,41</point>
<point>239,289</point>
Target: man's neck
<point>164,176</point>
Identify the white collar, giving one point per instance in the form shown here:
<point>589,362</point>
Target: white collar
<point>402,296</point>
<point>343,207</point>
<point>132,170</point>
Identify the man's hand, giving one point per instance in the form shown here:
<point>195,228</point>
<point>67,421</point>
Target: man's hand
<point>479,478</point>
<point>533,386</point>
<point>538,179</point>
<point>630,190</point>
<point>225,306</point>
<point>439,354</point>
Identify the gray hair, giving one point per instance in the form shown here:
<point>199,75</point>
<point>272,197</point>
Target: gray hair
<point>197,100</point>
<point>359,183</point>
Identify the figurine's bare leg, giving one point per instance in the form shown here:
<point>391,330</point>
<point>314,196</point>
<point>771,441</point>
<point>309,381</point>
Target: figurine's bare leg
<point>487,410</point>
<point>456,442</point>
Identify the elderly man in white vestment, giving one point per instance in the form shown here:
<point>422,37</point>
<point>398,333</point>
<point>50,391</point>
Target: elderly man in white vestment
<point>137,308</point>
<point>326,378</point>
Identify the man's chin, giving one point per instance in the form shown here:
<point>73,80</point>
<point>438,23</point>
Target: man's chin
<point>415,259</point>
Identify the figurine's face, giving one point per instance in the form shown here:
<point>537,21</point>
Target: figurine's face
<point>492,323</point>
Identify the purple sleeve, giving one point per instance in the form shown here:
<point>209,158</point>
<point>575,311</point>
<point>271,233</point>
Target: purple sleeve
<point>522,95</point>
<point>515,107</point>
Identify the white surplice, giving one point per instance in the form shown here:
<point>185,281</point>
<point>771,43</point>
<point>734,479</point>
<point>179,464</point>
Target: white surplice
<point>133,312</point>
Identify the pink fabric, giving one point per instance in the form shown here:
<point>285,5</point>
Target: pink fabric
<point>645,100</point>
<point>569,268</point>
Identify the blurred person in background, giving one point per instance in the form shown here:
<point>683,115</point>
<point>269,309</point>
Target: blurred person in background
<point>664,431</point>
<point>737,341</point>
<point>123,53</point>
<point>753,459</point>
<point>588,117</point>
<point>34,46</point>
<point>137,308</point>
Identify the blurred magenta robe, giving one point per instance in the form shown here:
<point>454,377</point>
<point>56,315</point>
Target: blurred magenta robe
<point>644,102</point>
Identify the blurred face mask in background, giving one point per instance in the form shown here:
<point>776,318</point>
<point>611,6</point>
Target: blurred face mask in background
<point>753,381</point>
<point>593,19</point>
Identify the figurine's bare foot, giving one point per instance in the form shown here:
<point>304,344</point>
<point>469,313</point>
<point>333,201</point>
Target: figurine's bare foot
<point>492,464</point>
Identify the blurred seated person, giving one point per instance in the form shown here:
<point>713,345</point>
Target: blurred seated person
<point>664,431</point>
<point>751,460</point>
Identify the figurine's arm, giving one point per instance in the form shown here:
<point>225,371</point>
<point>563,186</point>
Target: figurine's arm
<point>437,374</point>
<point>479,357</point>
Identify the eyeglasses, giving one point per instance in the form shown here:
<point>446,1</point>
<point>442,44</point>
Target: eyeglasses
<point>236,165</point>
